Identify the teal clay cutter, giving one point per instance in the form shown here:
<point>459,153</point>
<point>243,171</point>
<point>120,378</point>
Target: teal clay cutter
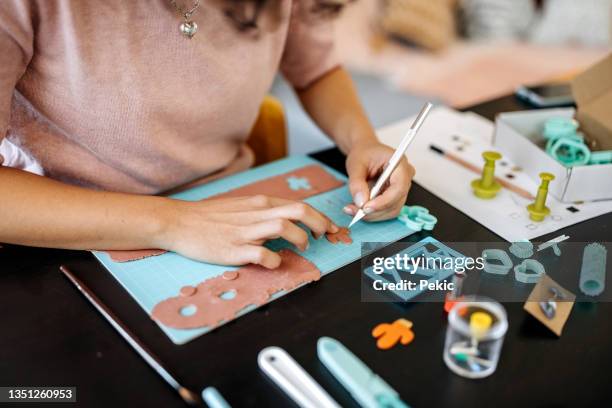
<point>558,128</point>
<point>570,152</point>
<point>601,157</point>
<point>417,218</point>
<point>529,271</point>
<point>496,261</point>
<point>367,388</point>
<point>564,143</point>
<point>593,271</point>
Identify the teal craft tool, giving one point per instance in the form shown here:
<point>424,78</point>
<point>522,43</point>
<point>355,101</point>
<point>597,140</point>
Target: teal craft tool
<point>367,388</point>
<point>417,218</point>
<point>395,158</point>
<point>496,261</point>
<point>593,270</point>
<point>601,157</point>
<point>293,379</point>
<point>214,399</point>
<point>188,396</point>
<point>529,271</point>
<point>428,248</point>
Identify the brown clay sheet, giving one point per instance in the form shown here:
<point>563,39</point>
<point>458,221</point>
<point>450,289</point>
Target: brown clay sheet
<point>219,299</point>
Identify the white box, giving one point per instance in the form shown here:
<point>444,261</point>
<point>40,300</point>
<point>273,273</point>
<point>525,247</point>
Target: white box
<point>519,135</point>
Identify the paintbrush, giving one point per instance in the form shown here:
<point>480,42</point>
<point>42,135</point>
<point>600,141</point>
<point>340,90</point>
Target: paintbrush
<point>188,396</point>
<point>472,167</point>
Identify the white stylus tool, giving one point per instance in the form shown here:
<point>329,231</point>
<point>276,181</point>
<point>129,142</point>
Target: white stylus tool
<point>293,379</point>
<point>395,158</point>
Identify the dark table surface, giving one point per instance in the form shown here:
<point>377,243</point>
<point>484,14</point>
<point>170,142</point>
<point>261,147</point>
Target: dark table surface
<point>51,335</point>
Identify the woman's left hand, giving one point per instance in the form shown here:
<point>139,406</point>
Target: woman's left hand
<point>364,164</point>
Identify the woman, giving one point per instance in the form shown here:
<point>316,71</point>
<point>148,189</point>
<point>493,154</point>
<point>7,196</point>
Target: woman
<point>116,100</point>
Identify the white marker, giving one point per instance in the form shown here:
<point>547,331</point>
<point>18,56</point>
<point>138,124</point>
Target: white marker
<point>293,379</point>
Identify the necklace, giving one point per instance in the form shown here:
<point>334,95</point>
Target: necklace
<point>188,27</point>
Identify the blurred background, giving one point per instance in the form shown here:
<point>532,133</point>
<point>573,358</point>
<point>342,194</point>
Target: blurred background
<point>455,52</point>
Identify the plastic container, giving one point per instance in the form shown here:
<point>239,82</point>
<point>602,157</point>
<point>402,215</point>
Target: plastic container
<point>474,337</point>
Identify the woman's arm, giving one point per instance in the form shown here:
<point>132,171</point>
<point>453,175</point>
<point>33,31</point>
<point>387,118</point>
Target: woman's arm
<point>38,211</point>
<point>333,104</point>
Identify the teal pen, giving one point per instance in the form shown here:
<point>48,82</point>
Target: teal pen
<point>367,388</point>
<point>214,399</point>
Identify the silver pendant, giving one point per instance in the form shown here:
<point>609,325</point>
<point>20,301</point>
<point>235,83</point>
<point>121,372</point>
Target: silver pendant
<point>188,28</point>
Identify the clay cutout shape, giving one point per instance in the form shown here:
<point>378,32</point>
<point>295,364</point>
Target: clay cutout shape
<point>188,291</point>
<point>298,183</point>
<point>307,181</point>
<point>344,236</point>
<point>389,335</point>
<point>219,299</point>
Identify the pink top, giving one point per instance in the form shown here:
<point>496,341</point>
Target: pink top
<point>108,94</point>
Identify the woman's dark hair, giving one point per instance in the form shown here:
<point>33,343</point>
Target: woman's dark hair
<point>245,13</point>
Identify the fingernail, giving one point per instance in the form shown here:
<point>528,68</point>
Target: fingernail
<point>348,210</point>
<point>368,210</point>
<point>359,201</point>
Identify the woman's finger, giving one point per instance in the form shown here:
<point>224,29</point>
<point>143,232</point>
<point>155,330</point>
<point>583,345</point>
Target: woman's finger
<point>231,204</point>
<point>315,221</point>
<point>358,181</point>
<point>258,255</point>
<point>397,190</point>
<point>278,228</point>
<point>384,215</point>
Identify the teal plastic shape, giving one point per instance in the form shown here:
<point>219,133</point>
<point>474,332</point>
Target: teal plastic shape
<point>522,249</point>
<point>496,261</point>
<point>214,399</point>
<point>601,157</point>
<point>417,218</point>
<point>560,127</point>
<point>428,247</point>
<point>367,388</point>
<point>570,152</point>
<point>529,271</point>
<point>593,271</point>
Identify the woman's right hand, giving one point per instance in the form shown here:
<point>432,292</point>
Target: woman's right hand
<point>232,231</point>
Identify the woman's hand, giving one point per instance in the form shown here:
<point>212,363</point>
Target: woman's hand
<point>232,231</point>
<point>364,164</point>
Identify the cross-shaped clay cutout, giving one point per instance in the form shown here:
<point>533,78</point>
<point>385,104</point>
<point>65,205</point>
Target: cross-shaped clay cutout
<point>298,183</point>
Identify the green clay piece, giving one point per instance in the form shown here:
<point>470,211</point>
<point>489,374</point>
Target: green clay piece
<point>461,357</point>
<point>487,187</point>
<point>538,209</point>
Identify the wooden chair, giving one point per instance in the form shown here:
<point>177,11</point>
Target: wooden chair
<point>268,138</point>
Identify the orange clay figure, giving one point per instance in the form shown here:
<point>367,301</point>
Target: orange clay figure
<point>389,334</point>
<point>343,235</point>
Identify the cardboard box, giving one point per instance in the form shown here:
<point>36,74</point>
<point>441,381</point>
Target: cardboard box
<point>592,92</point>
<point>519,135</point>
